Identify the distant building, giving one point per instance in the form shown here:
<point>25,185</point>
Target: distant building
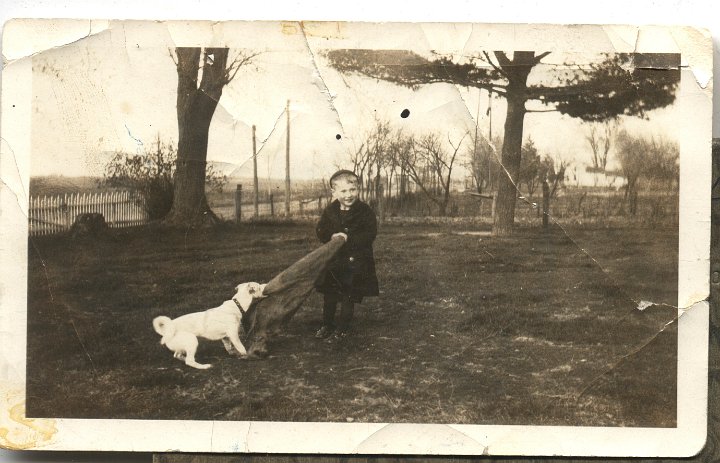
<point>459,185</point>
<point>584,175</point>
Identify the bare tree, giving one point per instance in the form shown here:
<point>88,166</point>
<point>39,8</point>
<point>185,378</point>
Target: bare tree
<point>484,162</point>
<point>202,74</point>
<point>369,160</point>
<point>360,159</point>
<point>430,166</point>
<point>600,136</point>
<point>653,159</point>
<point>393,168</point>
<point>531,173</point>
<point>621,84</point>
<point>378,141</point>
<point>552,170</point>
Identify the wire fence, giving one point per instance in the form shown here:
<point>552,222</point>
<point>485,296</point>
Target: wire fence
<point>242,210</point>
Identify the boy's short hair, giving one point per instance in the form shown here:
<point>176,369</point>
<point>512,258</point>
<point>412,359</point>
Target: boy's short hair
<point>344,175</point>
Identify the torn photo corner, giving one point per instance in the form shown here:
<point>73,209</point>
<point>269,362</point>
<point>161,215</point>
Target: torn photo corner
<point>517,262</point>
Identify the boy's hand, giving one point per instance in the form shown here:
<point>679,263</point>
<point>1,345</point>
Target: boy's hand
<point>343,235</point>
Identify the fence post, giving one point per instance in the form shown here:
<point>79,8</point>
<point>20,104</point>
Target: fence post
<point>301,206</point>
<point>238,203</point>
<point>256,191</point>
<point>633,202</point>
<point>272,206</point>
<point>492,209</point>
<point>114,219</point>
<point>546,203</point>
<point>320,204</point>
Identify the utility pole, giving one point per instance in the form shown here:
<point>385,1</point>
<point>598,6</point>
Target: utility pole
<point>287,161</point>
<point>256,191</point>
<point>489,113</point>
<point>475,160</point>
<point>238,203</point>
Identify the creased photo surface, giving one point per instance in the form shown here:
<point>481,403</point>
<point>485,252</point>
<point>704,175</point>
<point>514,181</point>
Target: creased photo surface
<point>417,238</point>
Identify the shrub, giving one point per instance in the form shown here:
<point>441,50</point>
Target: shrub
<point>151,173</point>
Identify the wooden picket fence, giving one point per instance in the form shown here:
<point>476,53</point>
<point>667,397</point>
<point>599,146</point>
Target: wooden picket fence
<point>56,214</point>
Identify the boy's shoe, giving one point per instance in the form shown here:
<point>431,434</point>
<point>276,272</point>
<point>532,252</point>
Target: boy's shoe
<point>337,336</point>
<point>324,332</point>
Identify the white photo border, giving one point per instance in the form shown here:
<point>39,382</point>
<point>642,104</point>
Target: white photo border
<point>357,438</point>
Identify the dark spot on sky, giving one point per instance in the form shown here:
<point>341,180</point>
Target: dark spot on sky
<point>338,137</point>
<point>405,113</point>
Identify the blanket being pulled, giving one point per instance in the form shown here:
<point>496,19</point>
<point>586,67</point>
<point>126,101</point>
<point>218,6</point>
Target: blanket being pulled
<point>285,295</point>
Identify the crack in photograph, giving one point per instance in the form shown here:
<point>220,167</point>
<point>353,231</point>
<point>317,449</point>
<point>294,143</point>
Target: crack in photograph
<point>335,223</point>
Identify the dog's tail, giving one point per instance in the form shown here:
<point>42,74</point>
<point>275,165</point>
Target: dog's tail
<point>163,325</point>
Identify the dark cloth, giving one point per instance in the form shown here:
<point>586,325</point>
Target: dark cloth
<point>285,294</point>
<point>351,272</point>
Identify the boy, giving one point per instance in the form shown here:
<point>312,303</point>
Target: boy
<point>350,275</point>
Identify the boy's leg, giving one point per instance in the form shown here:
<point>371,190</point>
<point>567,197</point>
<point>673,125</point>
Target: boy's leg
<point>329,306</point>
<point>347,307</point>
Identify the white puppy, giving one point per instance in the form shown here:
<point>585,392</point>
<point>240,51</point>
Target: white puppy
<point>180,335</point>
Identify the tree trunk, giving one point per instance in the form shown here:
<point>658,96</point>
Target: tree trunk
<point>512,145</point>
<point>195,108</point>
<point>545,204</point>
<point>517,72</point>
<point>189,202</point>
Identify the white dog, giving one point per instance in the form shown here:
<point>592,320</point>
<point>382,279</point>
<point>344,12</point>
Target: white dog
<point>180,335</point>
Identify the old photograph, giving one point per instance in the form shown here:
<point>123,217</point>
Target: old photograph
<point>343,226</point>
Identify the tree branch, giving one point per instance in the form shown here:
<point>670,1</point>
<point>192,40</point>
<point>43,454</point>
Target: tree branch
<point>452,158</point>
<point>539,57</point>
<point>541,110</point>
<point>496,88</point>
<point>239,61</point>
<point>498,69</point>
<point>411,70</point>
<point>430,196</point>
<point>213,75</point>
<point>502,58</point>
<point>172,57</point>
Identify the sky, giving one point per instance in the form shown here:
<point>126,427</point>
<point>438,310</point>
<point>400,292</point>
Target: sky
<point>116,90</point>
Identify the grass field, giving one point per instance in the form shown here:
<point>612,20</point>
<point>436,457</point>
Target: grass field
<point>540,328</point>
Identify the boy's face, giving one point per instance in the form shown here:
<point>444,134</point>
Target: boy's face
<point>345,192</point>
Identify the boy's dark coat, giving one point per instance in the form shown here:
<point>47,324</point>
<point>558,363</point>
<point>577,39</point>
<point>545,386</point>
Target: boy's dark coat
<point>352,270</point>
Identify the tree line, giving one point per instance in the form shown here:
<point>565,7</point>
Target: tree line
<point>627,84</point>
<point>618,84</point>
<point>391,164</point>
<point>395,168</point>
